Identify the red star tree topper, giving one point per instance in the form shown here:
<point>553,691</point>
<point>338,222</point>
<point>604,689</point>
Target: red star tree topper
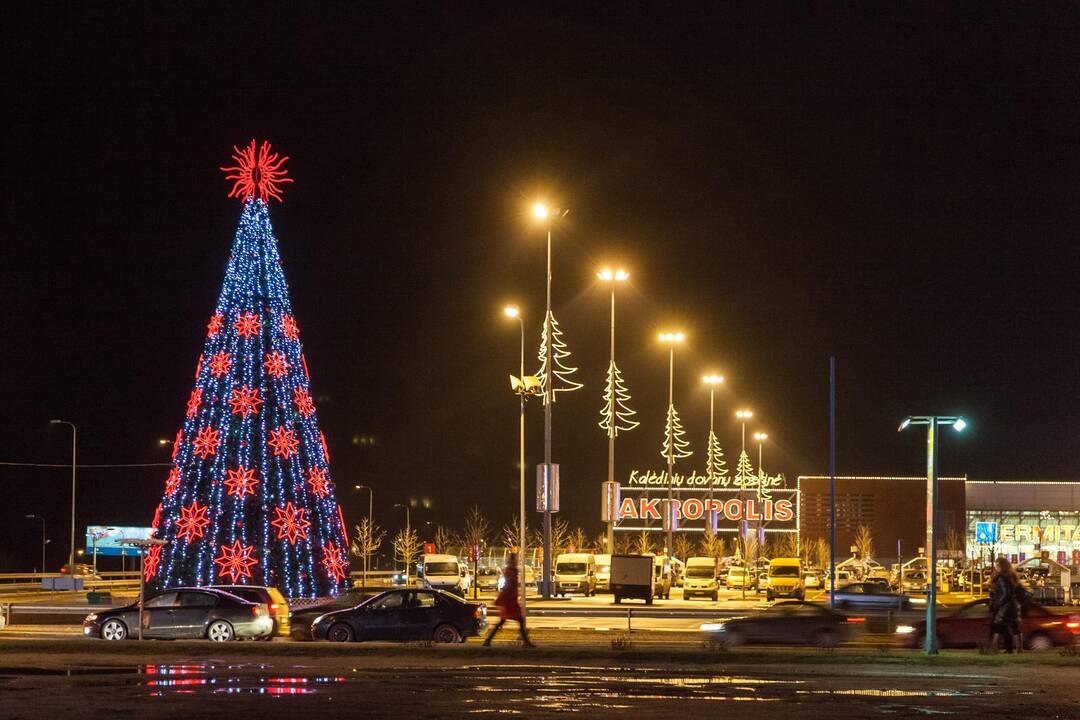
<point>334,562</point>
<point>193,521</point>
<point>257,174</point>
<point>289,328</point>
<point>290,523</point>
<point>236,560</point>
<point>245,401</point>
<point>276,364</point>
<point>247,325</point>
<point>206,444</point>
<point>151,562</point>
<point>194,401</point>
<point>241,482</point>
<point>283,442</point>
<point>318,482</point>
<point>214,327</point>
<point>220,363</point>
<point>173,482</point>
<point>304,405</point>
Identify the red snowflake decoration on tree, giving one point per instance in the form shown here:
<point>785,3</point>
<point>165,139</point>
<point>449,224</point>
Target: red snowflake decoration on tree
<point>304,405</point>
<point>334,562</point>
<point>206,444</point>
<point>290,523</point>
<point>176,442</point>
<point>157,519</point>
<point>245,401</point>
<point>257,175</point>
<point>193,521</point>
<point>318,482</point>
<point>276,364</point>
<point>283,442</point>
<point>193,402</point>
<point>247,325</point>
<point>220,363</point>
<point>214,327</point>
<point>173,483</point>
<point>151,562</point>
<point>325,450</point>
<point>236,560</point>
<point>289,327</point>
<point>241,481</point>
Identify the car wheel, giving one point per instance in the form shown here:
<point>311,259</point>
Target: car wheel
<point>114,630</point>
<point>826,639</point>
<point>1040,641</point>
<point>220,631</point>
<point>768,597</point>
<point>340,632</point>
<point>446,634</point>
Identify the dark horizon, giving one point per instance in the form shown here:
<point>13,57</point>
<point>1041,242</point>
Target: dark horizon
<point>886,184</point>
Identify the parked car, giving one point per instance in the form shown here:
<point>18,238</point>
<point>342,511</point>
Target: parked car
<point>184,613</point>
<point>969,626</point>
<point>272,598</point>
<point>443,572</point>
<point>812,579</point>
<point>662,577</point>
<point>300,619</point>
<point>870,596</point>
<point>785,579</point>
<point>738,577</point>
<point>701,578</point>
<point>487,578</point>
<point>404,616</point>
<point>787,622</point>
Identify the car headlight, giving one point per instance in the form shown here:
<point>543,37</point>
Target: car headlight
<point>904,629</point>
<point>317,620</point>
<point>91,617</point>
<point>712,627</point>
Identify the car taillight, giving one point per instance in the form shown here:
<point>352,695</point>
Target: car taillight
<point>856,619</point>
<point>273,607</point>
<point>481,611</point>
<point>1073,624</point>
<point>256,610</point>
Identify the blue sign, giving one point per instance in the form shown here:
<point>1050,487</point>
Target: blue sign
<point>986,532</point>
<point>107,538</point>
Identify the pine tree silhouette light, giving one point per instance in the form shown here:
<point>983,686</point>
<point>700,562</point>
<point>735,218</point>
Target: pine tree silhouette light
<point>249,497</point>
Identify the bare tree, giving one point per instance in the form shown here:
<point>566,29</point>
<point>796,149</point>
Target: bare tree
<point>713,546</point>
<point>788,546</point>
<point>578,539</point>
<point>822,556</point>
<point>864,542</point>
<point>560,536</point>
<point>406,548</point>
<point>643,544</point>
<point>624,544</point>
<point>510,534</point>
<point>475,536</point>
<point>445,539</point>
<point>599,544</point>
<point>684,546</point>
<point>806,549</point>
<point>367,540</point>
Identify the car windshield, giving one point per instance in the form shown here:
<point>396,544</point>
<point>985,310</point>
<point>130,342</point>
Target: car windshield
<point>441,568</point>
<point>570,568</point>
<point>737,571</point>
<point>699,571</point>
<point>784,571</point>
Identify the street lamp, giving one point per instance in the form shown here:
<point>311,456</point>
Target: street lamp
<point>74,434</point>
<point>43,541</point>
<point>932,422</point>
<point>671,339</point>
<point>711,447</point>
<point>371,501</point>
<point>613,278</point>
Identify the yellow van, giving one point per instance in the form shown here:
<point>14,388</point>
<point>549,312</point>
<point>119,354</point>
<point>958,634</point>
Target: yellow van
<point>785,579</point>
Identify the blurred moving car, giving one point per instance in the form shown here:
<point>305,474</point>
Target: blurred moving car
<point>300,619</point>
<point>184,613</point>
<point>404,616</point>
<point>83,570</point>
<point>787,622</point>
<point>785,579</point>
<point>969,626</point>
<point>870,596</point>
<point>701,578</point>
<point>275,602</point>
<point>603,573</point>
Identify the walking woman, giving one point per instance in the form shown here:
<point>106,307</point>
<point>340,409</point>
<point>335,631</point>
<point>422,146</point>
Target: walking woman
<point>507,602</point>
<point>1005,593</point>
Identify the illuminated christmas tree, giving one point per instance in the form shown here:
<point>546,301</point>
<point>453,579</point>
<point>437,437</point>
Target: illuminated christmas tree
<point>675,443</point>
<point>560,372</point>
<point>616,414</point>
<point>744,471</point>
<point>249,497</point>
<point>715,465</point>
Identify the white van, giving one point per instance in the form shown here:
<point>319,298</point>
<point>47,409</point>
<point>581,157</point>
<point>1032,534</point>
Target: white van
<point>443,572</point>
<point>603,573</point>
<point>575,572</point>
<point>701,578</point>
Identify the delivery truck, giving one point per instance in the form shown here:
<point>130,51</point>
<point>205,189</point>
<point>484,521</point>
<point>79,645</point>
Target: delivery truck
<point>632,577</point>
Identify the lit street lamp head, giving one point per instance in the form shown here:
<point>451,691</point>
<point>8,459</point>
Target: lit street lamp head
<point>957,423</point>
<point>761,437</point>
<point>609,275</point>
<point>511,311</point>
<point>675,337</point>
<point>744,414</point>
<point>540,211</point>
<point>713,379</point>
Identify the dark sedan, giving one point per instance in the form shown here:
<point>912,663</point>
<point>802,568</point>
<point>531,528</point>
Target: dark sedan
<point>785,623</point>
<point>301,619</point>
<point>969,626</point>
<point>404,616</point>
<point>184,613</point>
<point>870,596</point>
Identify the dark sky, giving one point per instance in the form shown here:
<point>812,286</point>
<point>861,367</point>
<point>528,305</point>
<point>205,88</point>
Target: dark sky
<point>892,184</point>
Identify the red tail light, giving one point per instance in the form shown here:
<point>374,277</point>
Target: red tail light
<point>481,611</point>
<point>856,619</point>
<point>256,610</point>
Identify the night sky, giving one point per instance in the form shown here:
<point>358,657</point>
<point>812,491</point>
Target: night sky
<point>895,185</point>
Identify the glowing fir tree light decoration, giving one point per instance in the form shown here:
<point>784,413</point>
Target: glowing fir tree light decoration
<point>715,464</point>
<point>616,415</point>
<point>249,497</point>
<point>744,471</point>
<point>675,446</point>
<point>560,371</point>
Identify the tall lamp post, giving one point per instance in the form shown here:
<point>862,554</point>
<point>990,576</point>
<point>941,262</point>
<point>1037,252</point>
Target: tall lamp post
<point>613,278</point>
<point>932,423</point>
<point>523,386</point>
<point>761,438</point>
<point>671,339</point>
<point>712,381</point>
<point>408,528</point>
<point>38,517</point>
<point>371,501</point>
<point>743,416</point>
<point>74,434</point>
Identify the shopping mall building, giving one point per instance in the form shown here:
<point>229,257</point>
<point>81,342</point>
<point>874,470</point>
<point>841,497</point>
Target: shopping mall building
<point>1017,518</point>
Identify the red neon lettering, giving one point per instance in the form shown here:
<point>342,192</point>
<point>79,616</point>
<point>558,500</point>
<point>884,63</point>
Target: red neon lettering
<point>650,508</point>
<point>692,509</point>
<point>768,510</point>
<point>783,510</point>
<point>628,509</point>
<point>733,509</point>
<point>751,511</point>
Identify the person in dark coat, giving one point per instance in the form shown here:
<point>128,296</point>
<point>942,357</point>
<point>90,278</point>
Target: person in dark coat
<point>508,604</point>
<point>1005,592</point>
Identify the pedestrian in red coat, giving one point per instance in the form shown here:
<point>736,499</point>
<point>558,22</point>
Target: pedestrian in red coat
<point>508,604</point>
